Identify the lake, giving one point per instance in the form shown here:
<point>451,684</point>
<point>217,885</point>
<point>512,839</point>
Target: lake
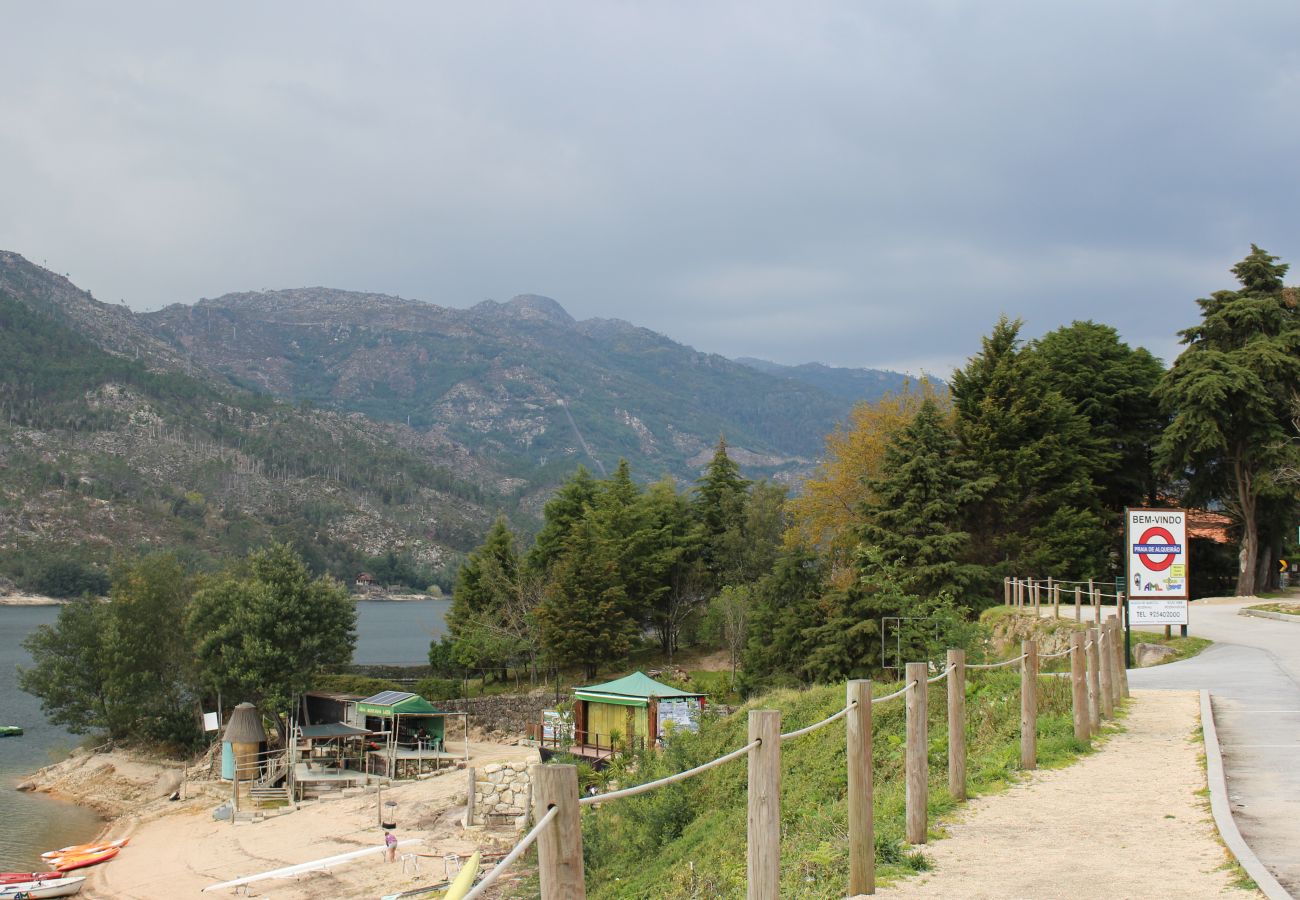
<point>398,632</point>
<point>31,823</point>
<point>388,633</point>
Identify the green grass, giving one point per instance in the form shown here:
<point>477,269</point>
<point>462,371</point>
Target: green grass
<point>1289,609</point>
<point>1183,647</point>
<point>688,840</point>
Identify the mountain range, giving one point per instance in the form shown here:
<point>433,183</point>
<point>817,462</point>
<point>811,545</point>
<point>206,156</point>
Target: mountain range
<point>371,421</point>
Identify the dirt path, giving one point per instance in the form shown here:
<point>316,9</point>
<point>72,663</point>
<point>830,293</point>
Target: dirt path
<point>1125,822</point>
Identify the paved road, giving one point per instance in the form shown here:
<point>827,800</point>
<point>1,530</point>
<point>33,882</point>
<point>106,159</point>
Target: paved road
<point>1253,674</point>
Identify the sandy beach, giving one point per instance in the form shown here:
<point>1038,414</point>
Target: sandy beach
<point>29,600</point>
<point>177,848</point>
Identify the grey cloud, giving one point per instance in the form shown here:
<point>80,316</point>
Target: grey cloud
<point>856,184</point>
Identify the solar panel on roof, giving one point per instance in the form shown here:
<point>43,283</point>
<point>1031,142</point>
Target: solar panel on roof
<point>388,698</point>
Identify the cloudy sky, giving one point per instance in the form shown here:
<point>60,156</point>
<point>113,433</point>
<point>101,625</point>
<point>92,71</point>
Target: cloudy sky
<point>855,183</point>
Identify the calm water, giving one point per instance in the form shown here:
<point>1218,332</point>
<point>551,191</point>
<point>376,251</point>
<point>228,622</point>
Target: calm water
<point>31,823</point>
<point>387,633</point>
<point>398,633</point>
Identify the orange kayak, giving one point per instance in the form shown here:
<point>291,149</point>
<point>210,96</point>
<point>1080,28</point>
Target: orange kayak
<point>85,848</point>
<point>81,860</point>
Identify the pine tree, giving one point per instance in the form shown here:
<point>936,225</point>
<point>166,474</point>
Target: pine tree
<point>915,519</point>
<point>1042,513</point>
<point>583,615</point>
<point>1110,384</point>
<point>1231,396</point>
<point>482,587</point>
<point>568,506</point>
<point>720,504</point>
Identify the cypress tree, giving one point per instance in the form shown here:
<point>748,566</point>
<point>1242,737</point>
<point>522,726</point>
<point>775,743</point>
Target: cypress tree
<point>915,520</point>
<point>1232,394</point>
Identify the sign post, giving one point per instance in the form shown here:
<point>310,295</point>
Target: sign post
<point>1157,574</point>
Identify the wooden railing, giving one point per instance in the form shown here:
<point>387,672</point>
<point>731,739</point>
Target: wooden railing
<point>1043,593</point>
<point>601,743</point>
<point>1098,685</point>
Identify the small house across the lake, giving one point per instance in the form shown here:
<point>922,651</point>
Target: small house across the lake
<point>626,712</point>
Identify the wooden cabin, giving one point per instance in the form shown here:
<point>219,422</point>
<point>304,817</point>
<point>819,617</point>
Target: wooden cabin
<point>637,709</point>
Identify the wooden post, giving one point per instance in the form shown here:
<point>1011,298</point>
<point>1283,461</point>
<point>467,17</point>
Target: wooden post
<point>1116,637</point>
<point>1096,602</point>
<point>1093,656</point>
<point>1029,705</point>
<point>1038,597</point>
<point>1121,665</point>
<point>1006,591</point>
<point>918,742</point>
<point>1106,670</point>
<point>1078,604</point>
<point>1051,595</point>
<point>957,724</point>
<point>764,856</point>
<point>862,825</point>
<point>559,847</point>
<point>1020,593</point>
<point>1056,601</point>
<point>1079,686</point>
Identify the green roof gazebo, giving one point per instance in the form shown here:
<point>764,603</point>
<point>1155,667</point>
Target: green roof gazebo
<point>418,730</point>
<point>636,706</point>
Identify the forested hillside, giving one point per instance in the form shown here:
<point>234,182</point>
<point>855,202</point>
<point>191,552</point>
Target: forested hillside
<point>102,454</point>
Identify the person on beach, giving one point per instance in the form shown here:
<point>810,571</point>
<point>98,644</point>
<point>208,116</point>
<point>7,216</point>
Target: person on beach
<point>390,841</point>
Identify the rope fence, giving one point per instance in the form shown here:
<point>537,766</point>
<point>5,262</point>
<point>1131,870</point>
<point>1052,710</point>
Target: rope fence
<point>682,776</point>
<point>940,677</point>
<point>1098,686</point>
<point>996,665</point>
<point>1037,593</point>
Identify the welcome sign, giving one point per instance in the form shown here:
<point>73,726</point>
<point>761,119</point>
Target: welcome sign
<point>1157,553</point>
<point>1156,548</point>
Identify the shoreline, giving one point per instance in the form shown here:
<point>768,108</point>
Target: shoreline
<point>178,847</point>
<point>30,600</point>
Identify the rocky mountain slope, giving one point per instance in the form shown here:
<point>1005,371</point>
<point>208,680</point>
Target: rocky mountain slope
<point>353,424</point>
<point>522,383</point>
<point>107,443</point>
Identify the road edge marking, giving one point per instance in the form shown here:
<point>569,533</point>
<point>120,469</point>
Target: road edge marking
<point>1222,810</point>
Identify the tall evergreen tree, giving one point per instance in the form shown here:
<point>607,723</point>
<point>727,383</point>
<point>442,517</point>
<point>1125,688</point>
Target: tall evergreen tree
<point>1042,513</point>
<point>920,499</point>
<point>568,506</point>
<point>484,585</point>
<point>1231,395</point>
<point>720,496</point>
<point>1111,385</point>
<point>584,613</point>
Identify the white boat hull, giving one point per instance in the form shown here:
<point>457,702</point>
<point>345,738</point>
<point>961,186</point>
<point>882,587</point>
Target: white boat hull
<point>34,890</point>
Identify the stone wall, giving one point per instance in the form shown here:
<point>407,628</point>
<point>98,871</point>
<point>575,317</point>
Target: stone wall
<point>500,794</point>
<point>502,714</point>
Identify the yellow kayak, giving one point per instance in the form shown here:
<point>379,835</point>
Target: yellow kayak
<point>464,881</point>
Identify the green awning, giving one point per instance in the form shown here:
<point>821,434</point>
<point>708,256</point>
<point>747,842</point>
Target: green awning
<point>610,698</point>
<point>397,703</point>
<point>636,689</point>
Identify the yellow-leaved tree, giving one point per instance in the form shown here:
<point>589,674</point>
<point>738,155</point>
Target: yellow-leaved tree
<point>827,511</point>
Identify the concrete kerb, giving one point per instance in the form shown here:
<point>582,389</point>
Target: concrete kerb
<point>1265,614</point>
<point>1222,810</point>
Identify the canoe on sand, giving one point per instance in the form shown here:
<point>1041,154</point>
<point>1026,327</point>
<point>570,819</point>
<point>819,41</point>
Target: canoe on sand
<point>35,890</point>
<point>81,860</point>
<point>85,848</point>
<point>19,877</point>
